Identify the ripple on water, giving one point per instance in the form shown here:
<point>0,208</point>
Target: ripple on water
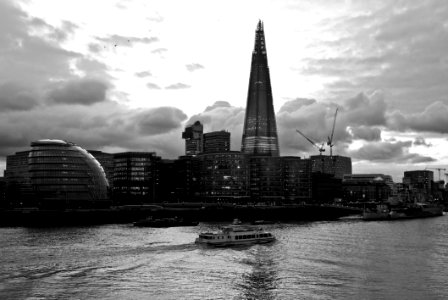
<point>319,260</point>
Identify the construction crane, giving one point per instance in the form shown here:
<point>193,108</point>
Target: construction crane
<point>321,148</point>
<point>438,169</point>
<point>330,138</point>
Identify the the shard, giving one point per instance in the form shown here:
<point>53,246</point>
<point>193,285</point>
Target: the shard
<point>260,129</point>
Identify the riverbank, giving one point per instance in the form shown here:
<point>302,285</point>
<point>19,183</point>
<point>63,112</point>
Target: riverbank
<point>201,212</point>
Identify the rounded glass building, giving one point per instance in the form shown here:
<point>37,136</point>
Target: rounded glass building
<point>64,175</point>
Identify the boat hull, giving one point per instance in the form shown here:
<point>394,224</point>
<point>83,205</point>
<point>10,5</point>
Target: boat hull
<point>411,212</point>
<point>234,242</point>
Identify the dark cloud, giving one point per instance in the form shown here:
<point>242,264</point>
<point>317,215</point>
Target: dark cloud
<point>103,125</point>
<point>432,119</point>
<point>369,110</point>
<point>378,47</point>
<point>366,133</point>
<point>194,67</point>
<point>363,117</point>
<point>177,86</point>
<point>143,74</point>
<point>389,152</point>
<point>14,96</point>
<point>29,58</point>
<point>420,141</point>
<point>160,120</point>
<point>82,91</point>
<point>312,118</point>
<point>126,41</point>
<point>153,86</point>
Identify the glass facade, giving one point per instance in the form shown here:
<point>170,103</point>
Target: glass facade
<point>19,192</point>
<point>335,165</point>
<point>216,141</point>
<point>224,177</point>
<point>367,187</point>
<point>266,179</point>
<point>193,138</point>
<point>64,175</point>
<point>135,177</point>
<point>260,129</point>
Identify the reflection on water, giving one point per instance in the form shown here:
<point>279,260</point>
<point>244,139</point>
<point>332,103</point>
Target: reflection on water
<point>260,282</point>
<point>320,260</point>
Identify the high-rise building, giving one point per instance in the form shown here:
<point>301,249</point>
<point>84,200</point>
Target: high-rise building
<point>19,192</point>
<point>216,141</point>
<point>135,177</point>
<point>419,184</point>
<point>193,138</point>
<point>224,177</point>
<point>296,179</point>
<point>260,129</point>
<point>266,179</point>
<point>2,192</point>
<point>107,162</point>
<point>64,175</point>
<point>334,165</point>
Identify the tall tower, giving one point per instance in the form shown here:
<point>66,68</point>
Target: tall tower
<point>260,129</point>
<point>193,138</point>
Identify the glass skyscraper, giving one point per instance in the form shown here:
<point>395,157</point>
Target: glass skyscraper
<point>260,129</point>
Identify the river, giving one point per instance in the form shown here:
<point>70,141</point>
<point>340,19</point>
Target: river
<point>344,259</point>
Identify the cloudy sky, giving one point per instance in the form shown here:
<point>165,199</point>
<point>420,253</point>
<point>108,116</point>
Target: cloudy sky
<point>129,75</point>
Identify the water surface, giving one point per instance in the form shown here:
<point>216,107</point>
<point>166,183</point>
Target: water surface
<point>345,259</point>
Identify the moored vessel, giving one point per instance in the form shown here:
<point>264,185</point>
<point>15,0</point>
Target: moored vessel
<point>385,211</point>
<point>235,235</point>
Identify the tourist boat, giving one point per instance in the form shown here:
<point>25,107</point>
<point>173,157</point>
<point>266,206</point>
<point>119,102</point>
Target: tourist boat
<point>409,211</point>
<point>164,222</point>
<point>235,235</point>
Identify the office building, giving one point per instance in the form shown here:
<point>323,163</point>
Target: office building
<point>224,177</point>
<point>418,184</point>
<point>296,179</point>
<point>216,141</point>
<point>367,187</point>
<point>187,180</point>
<point>19,192</point>
<point>135,178</point>
<point>260,129</point>
<point>64,175</point>
<point>193,138</point>
<point>3,192</point>
<point>335,165</point>
<point>266,179</point>
<point>107,162</point>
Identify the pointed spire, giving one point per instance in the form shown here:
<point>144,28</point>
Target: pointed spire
<point>260,26</point>
<point>260,130</point>
<point>260,46</point>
